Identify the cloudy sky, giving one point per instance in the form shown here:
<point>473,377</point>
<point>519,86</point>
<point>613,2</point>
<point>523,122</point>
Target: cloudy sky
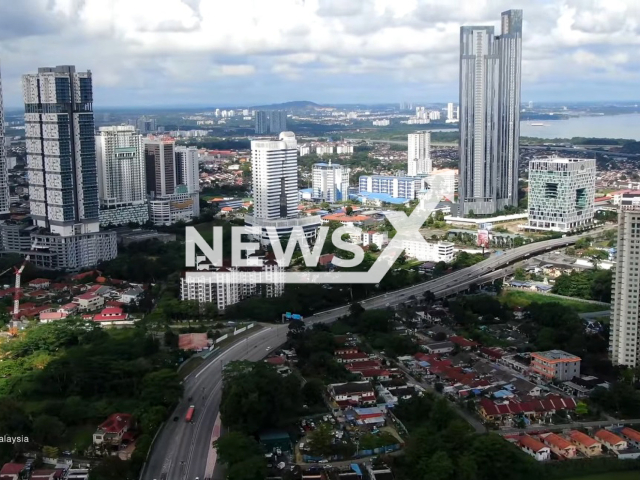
<point>248,52</point>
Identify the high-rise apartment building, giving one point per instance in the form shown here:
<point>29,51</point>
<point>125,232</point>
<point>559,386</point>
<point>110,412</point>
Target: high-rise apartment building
<point>4,172</point>
<point>275,188</point>
<point>147,125</point>
<point>561,193</point>
<point>624,339</point>
<point>187,168</point>
<point>490,80</point>
<point>418,154</point>
<point>62,170</point>
<point>330,182</point>
<point>395,187</point>
<point>262,122</point>
<point>159,155</point>
<point>277,121</point>
<point>122,189</point>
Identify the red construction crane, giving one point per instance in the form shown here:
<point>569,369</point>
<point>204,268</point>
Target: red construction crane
<point>17,292</point>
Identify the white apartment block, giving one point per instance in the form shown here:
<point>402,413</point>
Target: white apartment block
<point>428,251</point>
<point>122,188</point>
<point>561,193</point>
<point>453,113</point>
<point>445,179</point>
<point>344,149</point>
<point>397,187</point>
<point>418,154</point>
<point>330,182</point>
<point>324,149</point>
<point>381,123</point>
<point>380,239</point>
<point>304,150</point>
<point>187,168</point>
<point>245,282</point>
<point>625,321</point>
<point>4,172</point>
<point>179,206</point>
<point>434,115</point>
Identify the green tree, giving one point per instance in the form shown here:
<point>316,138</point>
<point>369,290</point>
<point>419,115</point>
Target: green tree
<point>152,418</point>
<point>47,430</point>
<point>162,388</point>
<point>112,468</point>
<point>321,440</point>
<point>253,468</point>
<point>440,466</point>
<point>312,392</point>
<point>236,447</point>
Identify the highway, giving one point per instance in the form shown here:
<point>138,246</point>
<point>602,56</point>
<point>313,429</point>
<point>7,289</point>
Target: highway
<point>181,449</point>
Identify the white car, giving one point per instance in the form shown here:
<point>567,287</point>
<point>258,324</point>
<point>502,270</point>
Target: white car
<point>268,348</point>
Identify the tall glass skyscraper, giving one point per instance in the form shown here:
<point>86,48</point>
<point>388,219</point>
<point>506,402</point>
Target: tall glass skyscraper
<point>490,78</point>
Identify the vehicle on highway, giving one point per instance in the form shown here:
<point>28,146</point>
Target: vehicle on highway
<point>268,348</point>
<point>175,419</point>
<point>189,416</point>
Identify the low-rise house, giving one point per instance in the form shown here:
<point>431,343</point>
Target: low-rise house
<point>559,445</point>
<point>632,436</point>
<point>535,448</point>
<point>113,430</point>
<point>463,343</point>
<point>439,347</point>
<point>38,294</point>
<point>585,444</point>
<point>40,283</point>
<point>610,440</point>
<point>69,308</point>
<point>57,474</point>
<point>532,409</point>
<point>11,471</point>
<point>46,317</point>
<point>88,302</point>
<point>356,367</point>
<point>112,317</point>
<point>352,394</point>
<point>366,416</point>
<point>352,357</point>
<point>345,351</point>
<point>131,295</point>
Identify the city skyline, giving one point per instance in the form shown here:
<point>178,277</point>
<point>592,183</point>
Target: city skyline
<point>390,60</point>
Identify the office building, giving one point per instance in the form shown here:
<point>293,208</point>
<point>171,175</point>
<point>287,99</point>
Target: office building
<point>122,189</point>
<point>275,189</point>
<point>4,171</point>
<point>555,365</point>
<point>418,154</point>
<point>624,338</point>
<point>330,182</point>
<point>277,121</point>
<point>159,155</point>
<point>490,80</point>
<point>561,193</point>
<point>179,206</point>
<point>396,187</point>
<point>187,168</point>
<point>146,125</point>
<point>262,122</point>
<point>210,287</point>
<point>62,170</point>
<point>428,251</point>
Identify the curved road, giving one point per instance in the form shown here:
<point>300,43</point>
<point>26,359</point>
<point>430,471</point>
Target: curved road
<point>181,449</point>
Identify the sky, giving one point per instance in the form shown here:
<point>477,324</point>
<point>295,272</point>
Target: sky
<point>251,52</point>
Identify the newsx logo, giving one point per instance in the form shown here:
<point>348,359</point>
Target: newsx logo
<point>407,228</point>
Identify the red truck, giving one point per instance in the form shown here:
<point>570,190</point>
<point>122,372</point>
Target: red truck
<point>189,416</point>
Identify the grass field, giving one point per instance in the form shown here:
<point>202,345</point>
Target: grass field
<point>519,298</point>
<point>633,475</point>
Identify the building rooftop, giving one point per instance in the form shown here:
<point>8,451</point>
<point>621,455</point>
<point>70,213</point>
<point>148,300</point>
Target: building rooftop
<point>609,437</point>
<point>555,355</point>
<point>582,438</point>
<point>531,443</point>
<point>115,423</point>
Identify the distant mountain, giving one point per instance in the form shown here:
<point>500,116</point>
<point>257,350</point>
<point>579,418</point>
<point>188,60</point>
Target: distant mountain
<point>297,105</point>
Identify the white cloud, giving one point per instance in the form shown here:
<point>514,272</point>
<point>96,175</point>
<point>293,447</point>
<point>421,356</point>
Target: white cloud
<point>149,45</point>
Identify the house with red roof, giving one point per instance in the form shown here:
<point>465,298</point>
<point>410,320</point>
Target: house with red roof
<point>46,317</point>
<point>42,474</point>
<point>69,308</point>
<point>352,394</point>
<point>112,317</point>
<point>352,357</point>
<point>11,471</point>
<point>112,432</point>
<point>585,444</point>
<point>558,445</point>
<point>463,343</point>
<point>360,366</point>
<point>502,411</point>
<point>534,447</point>
<point>632,436</point>
<point>40,283</point>
<point>611,440</point>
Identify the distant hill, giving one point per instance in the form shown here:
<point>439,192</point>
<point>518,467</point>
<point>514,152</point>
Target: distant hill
<point>297,105</point>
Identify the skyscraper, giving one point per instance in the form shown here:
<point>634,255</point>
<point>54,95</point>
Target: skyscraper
<point>275,189</point>
<point>121,176</point>
<point>330,182</point>
<point>625,321</point>
<point>262,122</point>
<point>418,154</point>
<point>490,80</point>
<point>146,125</point>
<point>277,121</point>
<point>159,153</point>
<point>62,169</point>
<point>4,174</point>
<point>61,151</point>
<point>187,168</point>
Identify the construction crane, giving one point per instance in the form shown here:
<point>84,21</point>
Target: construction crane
<point>16,293</point>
